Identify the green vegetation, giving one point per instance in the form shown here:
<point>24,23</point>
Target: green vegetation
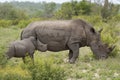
<point>54,66</point>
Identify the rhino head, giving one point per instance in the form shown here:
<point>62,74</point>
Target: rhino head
<point>100,50</point>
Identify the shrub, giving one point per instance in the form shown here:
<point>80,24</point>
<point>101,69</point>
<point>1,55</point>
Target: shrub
<point>94,20</point>
<point>44,70</point>
<point>23,23</point>
<point>3,60</point>
<point>13,76</point>
<point>116,18</point>
<point>110,36</point>
<point>5,23</point>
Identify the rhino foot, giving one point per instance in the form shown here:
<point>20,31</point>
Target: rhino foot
<point>72,61</point>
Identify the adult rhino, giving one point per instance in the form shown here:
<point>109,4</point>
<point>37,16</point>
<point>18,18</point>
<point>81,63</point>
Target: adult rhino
<point>67,35</point>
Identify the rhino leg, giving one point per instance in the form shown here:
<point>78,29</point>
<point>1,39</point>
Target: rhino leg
<point>32,56</point>
<point>70,54</point>
<point>23,58</point>
<point>75,49</point>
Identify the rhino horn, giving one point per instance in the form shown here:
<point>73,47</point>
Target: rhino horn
<point>100,30</point>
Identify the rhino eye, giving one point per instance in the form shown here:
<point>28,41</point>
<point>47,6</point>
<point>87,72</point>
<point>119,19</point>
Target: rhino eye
<point>92,30</point>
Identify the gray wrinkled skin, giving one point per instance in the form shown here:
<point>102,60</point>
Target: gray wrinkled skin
<point>20,48</point>
<point>67,35</point>
<point>41,47</point>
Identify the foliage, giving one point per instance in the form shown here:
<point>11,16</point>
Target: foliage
<point>110,36</point>
<point>84,7</point>
<point>3,60</point>
<point>7,11</point>
<point>23,23</point>
<point>94,20</point>
<point>5,23</point>
<point>65,12</point>
<point>46,70</point>
<point>109,10</point>
<point>23,10</point>
<point>49,9</point>
<point>36,9</point>
<point>13,76</point>
<point>74,8</point>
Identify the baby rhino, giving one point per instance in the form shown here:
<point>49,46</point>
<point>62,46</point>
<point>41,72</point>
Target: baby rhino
<point>20,48</point>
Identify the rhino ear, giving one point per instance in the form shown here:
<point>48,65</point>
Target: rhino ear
<point>100,30</point>
<point>92,30</point>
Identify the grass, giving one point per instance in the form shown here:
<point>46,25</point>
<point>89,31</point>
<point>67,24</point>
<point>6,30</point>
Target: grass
<point>85,68</point>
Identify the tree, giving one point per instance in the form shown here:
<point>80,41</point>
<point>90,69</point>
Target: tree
<point>73,8</point>
<point>109,10</point>
<point>7,11</point>
<point>65,12</point>
<point>84,7</point>
<point>105,10</point>
<point>48,9</point>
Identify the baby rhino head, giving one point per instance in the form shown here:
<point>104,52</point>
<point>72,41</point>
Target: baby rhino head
<point>10,51</point>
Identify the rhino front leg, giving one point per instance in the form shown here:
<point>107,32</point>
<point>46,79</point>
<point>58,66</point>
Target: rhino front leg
<point>23,58</point>
<point>74,48</point>
<point>70,54</point>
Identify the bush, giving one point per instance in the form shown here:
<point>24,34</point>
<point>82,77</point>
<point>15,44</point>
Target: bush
<point>5,23</point>
<point>46,70</point>
<point>23,23</point>
<point>94,20</point>
<point>110,36</point>
<point>3,60</point>
<point>116,18</point>
<point>13,76</point>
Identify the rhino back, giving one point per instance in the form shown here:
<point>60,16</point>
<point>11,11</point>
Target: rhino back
<point>54,33</point>
<point>28,31</point>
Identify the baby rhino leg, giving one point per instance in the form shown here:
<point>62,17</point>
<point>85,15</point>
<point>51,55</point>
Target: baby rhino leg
<point>41,47</point>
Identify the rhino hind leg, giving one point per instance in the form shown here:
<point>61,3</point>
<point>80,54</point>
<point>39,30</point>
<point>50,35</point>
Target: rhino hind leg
<point>75,52</point>
<point>31,54</point>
